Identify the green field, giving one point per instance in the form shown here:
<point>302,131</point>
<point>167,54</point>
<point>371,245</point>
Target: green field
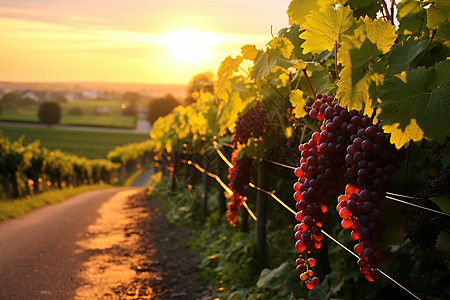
<point>90,144</point>
<point>29,113</point>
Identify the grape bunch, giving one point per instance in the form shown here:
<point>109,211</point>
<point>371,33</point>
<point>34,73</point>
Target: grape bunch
<point>251,124</point>
<point>303,266</point>
<point>348,148</point>
<point>239,177</point>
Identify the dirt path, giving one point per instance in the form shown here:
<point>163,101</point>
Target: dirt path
<point>136,254</point>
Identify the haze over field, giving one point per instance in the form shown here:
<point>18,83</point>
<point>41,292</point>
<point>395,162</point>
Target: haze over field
<point>143,41</point>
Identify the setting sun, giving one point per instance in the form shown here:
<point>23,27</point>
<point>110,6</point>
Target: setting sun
<point>188,46</point>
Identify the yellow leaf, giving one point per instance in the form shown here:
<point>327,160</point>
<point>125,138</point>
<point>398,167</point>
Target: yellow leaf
<point>282,44</point>
<point>401,137</point>
<point>324,27</point>
<point>250,52</point>
<point>298,103</point>
<point>229,65</point>
<point>298,9</point>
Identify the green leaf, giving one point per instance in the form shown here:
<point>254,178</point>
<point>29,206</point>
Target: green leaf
<point>443,242</point>
<point>274,279</point>
<point>402,55</point>
<point>263,66</point>
<point>412,18</point>
<point>292,34</point>
<point>438,13</point>
<point>324,27</point>
<point>298,103</point>
<point>363,70</point>
<point>421,97</point>
<point>277,54</point>
<point>443,202</point>
<point>362,8</point>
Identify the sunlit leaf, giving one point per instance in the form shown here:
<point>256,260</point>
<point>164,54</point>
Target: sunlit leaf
<point>419,94</point>
<point>399,137</point>
<point>298,103</point>
<point>250,52</point>
<point>298,9</point>
<point>363,71</point>
<point>281,44</point>
<point>324,27</point>
<point>229,66</point>
<point>293,34</point>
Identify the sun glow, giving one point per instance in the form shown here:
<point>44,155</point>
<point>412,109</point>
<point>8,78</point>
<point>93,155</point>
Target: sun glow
<point>188,46</point>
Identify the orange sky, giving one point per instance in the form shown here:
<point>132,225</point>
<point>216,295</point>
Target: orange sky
<point>143,41</point>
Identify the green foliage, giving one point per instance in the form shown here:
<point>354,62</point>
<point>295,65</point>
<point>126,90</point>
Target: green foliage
<point>49,113</point>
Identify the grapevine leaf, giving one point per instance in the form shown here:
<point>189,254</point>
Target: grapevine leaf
<point>443,202</point>
<point>443,242</point>
<point>400,137</point>
<point>274,279</point>
<point>419,94</point>
<point>362,8</point>
<point>402,55</point>
<point>283,45</point>
<point>363,70</point>
<point>229,65</point>
<point>292,34</point>
<point>438,13</point>
<point>250,52</point>
<point>277,54</point>
<point>324,27</point>
<point>298,103</point>
<point>298,9</point>
<point>263,66</point>
<point>443,34</point>
<point>412,18</point>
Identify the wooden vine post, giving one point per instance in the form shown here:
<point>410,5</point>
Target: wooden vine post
<point>205,185</point>
<point>174,157</point>
<point>261,215</point>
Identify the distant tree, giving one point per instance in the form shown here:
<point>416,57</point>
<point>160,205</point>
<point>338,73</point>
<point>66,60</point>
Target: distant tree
<point>49,113</point>
<point>12,99</point>
<point>161,107</point>
<point>131,97</point>
<point>202,82</point>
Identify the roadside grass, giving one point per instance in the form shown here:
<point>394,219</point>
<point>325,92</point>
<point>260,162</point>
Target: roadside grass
<point>90,144</point>
<point>19,207</point>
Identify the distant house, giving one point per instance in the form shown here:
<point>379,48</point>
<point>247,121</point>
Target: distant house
<point>89,94</point>
<point>31,95</point>
<point>70,97</point>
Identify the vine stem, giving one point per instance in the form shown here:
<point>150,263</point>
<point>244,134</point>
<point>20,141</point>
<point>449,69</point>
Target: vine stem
<point>309,83</point>
<point>336,59</point>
